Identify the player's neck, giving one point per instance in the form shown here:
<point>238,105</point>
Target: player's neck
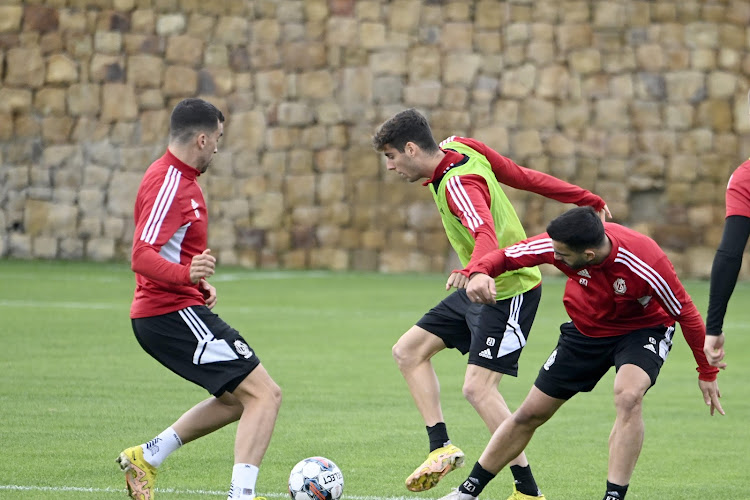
<point>602,252</point>
<point>185,155</point>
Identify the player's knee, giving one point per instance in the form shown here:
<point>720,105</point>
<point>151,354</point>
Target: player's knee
<point>474,392</point>
<point>401,355</point>
<point>628,400</point>
<point>528,418</point>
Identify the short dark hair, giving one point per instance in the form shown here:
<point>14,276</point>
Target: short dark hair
<point>191,116</point>
<point>579,229</point>
<point>407,126</point>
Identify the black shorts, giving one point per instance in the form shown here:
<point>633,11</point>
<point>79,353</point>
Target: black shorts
<point>492,334</point>
<point>198,346</point>
<point>579,362</point>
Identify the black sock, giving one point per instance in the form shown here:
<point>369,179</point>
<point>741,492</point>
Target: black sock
<point>476,481</point>
<point>438,435</point>
<point>615,491</point>
<point>525,480</point>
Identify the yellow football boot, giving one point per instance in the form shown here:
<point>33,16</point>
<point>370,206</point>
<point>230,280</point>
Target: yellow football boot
<point>439,463</point>
<point>139,474</point>
<point>517,495</point>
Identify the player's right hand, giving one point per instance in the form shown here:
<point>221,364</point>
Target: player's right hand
<point>481,289</point>
<point>456,280</point>
<point>202,266</point>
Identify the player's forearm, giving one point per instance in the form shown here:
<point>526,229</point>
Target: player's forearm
<point>725,269</point>
<point>694,332</point>
<point>147,262</point>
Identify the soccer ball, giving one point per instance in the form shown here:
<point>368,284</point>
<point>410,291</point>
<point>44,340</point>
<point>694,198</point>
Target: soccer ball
<point>316,478</point>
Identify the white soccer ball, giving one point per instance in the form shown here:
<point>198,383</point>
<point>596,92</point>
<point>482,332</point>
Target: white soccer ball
<point>316,478</point>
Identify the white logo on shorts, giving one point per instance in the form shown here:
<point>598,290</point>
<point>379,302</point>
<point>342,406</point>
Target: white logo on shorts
<point>486,354</point>
<point>242,349</point>
<point>550,360</point>
<point>490,341</point>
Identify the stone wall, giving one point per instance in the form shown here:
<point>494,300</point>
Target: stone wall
<point>643,102</point>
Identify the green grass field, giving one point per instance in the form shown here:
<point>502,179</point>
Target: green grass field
<point>75,389</point>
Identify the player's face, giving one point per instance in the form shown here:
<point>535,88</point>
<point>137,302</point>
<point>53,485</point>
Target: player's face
<point>210,144</point>
<point>572,259</point>
<point>403,164</point>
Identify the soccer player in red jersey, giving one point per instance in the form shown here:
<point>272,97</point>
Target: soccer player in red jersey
<point>728,261</point>
<point>623,298</point>
<point>465,177</point>
<point>172,316</point>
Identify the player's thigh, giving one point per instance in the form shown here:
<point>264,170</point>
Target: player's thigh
<point>447,321</point>
<point>500,331</point>
<point>646,348</point>
<point>199,346</point>
<point>576,364</point>
<point>257,384</point>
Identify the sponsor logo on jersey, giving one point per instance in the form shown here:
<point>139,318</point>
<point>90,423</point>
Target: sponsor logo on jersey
<point>486,354</point>
<point>583,282</point>
<point>550,360</point>
<point>584,273</point>
<point>619,286</point>
<point>242,349</point>
<point>645,300</point>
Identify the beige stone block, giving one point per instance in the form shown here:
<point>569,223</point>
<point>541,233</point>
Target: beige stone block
<point>265,31</point>
<point>526,143</point>
<point>108,42</point>
<point>100,249</point>
<point>10,18</point>
<point>650,57</point>
<point>330,188</point>
<point>404,15</point>
<point>184,50</point>
<point>118,103</point>
<point>611,114</point>
<point>180,82</point>
<point>201,26</point>
<point>84,99</point>
<point>573,36</point>
<point>305,56</point>
<point>270,85</point>
<point>333,259</point>
<point>90,226</point>
<point>24,67</point>
<point>553,81</point>
<point>518,82</point>
<point>716,114</point>
<point>537,113</point>
<point>121,192</point>
<point>494,136</point>
<point>423,94</point>
<point>143,20</point>
<point>559,146</point>
<point>721,85</point>
<point>154,126</point>
<point>56,129</point>
<point>461,69</point>
<point>316,85</point>
<point>699,260</point>
<point>702,35</point>
<point>106,67</point>
<point>372,35</point>
<point>50,101</point>
<point>171,24</point>
<point>388,63</point>
<point>19,245</point>
<point>44,247</point>
<point>91,199</point>
<point>61,69</point>
<point>489,15</point>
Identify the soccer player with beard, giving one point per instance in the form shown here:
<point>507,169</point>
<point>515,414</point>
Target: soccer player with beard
<point>465,176</point>
<point>172,318</point>
<point>623,298</point>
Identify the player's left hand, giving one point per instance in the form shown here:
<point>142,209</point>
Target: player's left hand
<point>713,347</point>
<point>456,280</point>
<point>604,213</point>
<point>711,395</point>
<point>209,292</point>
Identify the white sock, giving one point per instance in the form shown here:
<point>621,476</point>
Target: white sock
<point>159,448</point>
<point>243,482</point>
